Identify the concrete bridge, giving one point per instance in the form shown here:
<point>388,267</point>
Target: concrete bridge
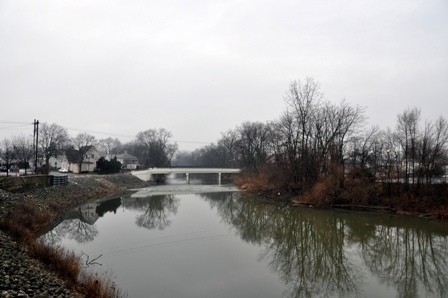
<point>146,175</point>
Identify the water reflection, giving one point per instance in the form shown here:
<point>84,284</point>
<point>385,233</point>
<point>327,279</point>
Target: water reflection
<point>305,249</point>
<point>156,210</point>
<point>78,224</point>
<point>108,206</point>
<point>316,253</point>
<point>409,254</point>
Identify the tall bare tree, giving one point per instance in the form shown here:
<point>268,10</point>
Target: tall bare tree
<point>407,134</point>
<point>156,148</point>
<point>52,138</point>
<point>365,147</point>
<point>433,150</point>
<point>229,140</point>
<point>253,144</point>
<point>8,152</point>
<point>303,99</point>
<point>82,143</point>
<point>108,146</point>
<point>25,150</point>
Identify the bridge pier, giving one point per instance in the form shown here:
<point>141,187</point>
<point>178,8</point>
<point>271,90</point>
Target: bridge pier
<point>219,178</point>
<point>187,175</point>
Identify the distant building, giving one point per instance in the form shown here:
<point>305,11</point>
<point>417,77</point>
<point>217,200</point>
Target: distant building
<point>128,161</point>
<point>71,157</point>
<point>55,163</point>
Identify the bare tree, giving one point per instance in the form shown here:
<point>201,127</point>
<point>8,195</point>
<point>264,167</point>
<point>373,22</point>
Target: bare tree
<point>25,150</point>
<point>303,99</point>
<point>253,145</point>
<point>286,142</point>
<point>440,150</point>
<point>365,149</point>
<point>229,140</point>
<point>156,149</point>
<point>82,143</point>
<point>406,134</point>
<point>213,155</point>
<point>185,159</point>
<point>8,152</point>
<point>348,121</point>
<point>433,150</point>
<point>108,146</point>
<point>52,139</point>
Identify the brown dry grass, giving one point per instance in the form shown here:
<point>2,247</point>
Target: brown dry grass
<point>323,192</point>
<point>268,180</point>
<point>21,225</point>
<point>252,182</point>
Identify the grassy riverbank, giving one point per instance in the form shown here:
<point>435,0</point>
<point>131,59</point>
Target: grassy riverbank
<point>23,214</point>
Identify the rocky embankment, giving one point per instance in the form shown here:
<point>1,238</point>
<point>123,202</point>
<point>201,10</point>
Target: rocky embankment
<point>20,274</point>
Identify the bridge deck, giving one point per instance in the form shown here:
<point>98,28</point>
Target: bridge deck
<point>146,174</point>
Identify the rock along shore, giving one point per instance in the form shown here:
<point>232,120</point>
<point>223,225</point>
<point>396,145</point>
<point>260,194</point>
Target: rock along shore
<point>24,276</point>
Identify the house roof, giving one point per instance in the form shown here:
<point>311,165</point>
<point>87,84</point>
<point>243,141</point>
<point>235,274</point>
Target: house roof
<point>73,155</point>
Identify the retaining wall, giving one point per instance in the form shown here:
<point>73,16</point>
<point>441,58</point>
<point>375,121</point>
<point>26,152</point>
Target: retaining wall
<point>24,183</point>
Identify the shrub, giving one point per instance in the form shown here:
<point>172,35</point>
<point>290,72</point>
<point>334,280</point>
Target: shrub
<point>108,166</point>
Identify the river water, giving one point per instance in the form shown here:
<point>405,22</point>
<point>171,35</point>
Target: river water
<point>196,240</point>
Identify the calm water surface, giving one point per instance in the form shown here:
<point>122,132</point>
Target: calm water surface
<point>208,241</point>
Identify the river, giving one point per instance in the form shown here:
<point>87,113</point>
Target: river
<point>179,240</point>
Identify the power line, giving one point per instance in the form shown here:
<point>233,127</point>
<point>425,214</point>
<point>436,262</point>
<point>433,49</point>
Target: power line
<point>99,132</point>
<point>25,124</point>
<point>16,126</point>
<point>132,137</point>
<point>193,142</point>
<point>13,122</point>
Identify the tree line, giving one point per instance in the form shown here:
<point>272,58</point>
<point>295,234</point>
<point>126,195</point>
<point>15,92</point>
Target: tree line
<point>325,151</point>
<point>152,147</point>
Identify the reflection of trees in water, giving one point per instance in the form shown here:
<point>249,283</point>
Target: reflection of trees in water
<point>52,237</point>
<point>75,229</point>
<point>80,231</point>
<point>157,210</point>
<point>79,223</point>
<point>408,254</point>
<point>303,247</point>
<point>307,247</point>
<point>231,209</point>
<point>308,253</point>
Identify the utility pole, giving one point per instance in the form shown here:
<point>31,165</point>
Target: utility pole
<point>35,142</point>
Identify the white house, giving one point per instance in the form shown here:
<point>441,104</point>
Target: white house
<point>70,160</point>
<point>55,163</point>
<point>128,161</point>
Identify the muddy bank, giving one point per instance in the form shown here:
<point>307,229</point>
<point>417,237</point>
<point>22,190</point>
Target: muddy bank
<point>24,276</point>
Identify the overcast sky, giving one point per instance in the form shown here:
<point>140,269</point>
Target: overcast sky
<point>198,68</point>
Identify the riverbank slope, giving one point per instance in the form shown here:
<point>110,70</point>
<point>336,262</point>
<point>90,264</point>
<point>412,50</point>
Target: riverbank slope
<point>355,193</point>
<point>24,276</point>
